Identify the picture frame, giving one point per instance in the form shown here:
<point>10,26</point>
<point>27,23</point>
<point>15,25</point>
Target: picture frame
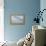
<point>18,19</point>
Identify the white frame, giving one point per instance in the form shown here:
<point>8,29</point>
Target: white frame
<point>17,19</point>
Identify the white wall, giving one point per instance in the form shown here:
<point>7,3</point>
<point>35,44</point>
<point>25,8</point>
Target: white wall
<point>43,6</point>
<point>1,21</point>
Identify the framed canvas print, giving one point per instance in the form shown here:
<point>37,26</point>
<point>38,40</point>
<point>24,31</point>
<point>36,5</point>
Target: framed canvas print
<point>17,19</point>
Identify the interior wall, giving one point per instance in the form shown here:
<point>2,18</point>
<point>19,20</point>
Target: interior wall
<point>29,8</point>
<point>1,21</point>
<point>43,6</point>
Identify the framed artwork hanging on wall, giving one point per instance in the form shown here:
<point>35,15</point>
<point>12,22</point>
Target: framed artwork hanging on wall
<point>17,19</point>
